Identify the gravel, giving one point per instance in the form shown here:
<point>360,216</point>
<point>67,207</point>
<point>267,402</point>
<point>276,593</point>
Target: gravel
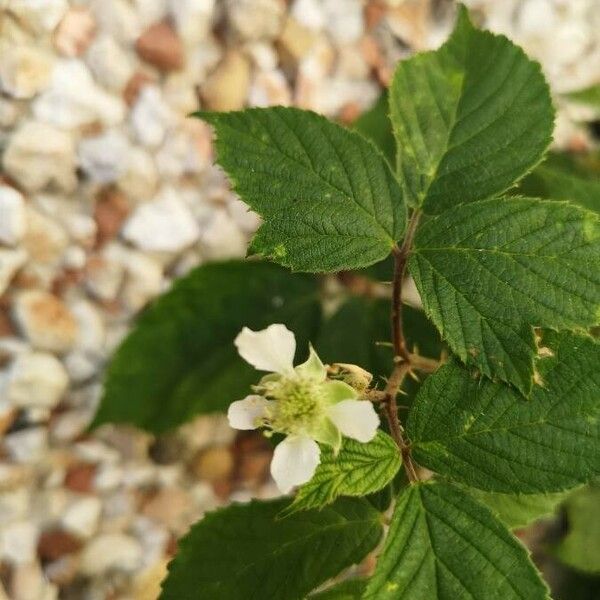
<point>108,192</point>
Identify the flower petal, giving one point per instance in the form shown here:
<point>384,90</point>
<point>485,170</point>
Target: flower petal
<point>356,419</point>
<point>246,414</point>
<point>294,462</point>
<point>327,433</point>
<point>313,368</point>
<point>338,391</point>
<point>271,349</point>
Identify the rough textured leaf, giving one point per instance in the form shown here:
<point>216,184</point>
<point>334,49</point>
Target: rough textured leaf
<point>567,177</point>
<point>358,470</point>
<point>327,195</point>
<point>347,590</point>
<point>580,548</point>
<point>519,510</point>
<point>486,435</point>
<point>180,360</point>
<point>360,331</point>
<point>375,124</point>
<point>244,552</point>
<point>488,271</point>
<point>444,545</point>
<point>470,119</point>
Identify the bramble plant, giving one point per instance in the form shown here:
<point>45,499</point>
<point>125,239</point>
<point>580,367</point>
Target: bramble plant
<point>501,371</point>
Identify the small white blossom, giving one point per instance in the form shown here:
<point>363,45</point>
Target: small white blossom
<point>299,402</point>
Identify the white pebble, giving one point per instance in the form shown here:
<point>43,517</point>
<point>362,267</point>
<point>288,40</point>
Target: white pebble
<point>68,426</point>
<point>247,220</point>
<point>140,178</point>
<point>45,241</point>
<point>344,20</point>
<point>309,13</point>
<point>36,379</point>
<point>111,65</point>
<point>192,18</point>
<point>24,70</point>
<point>104,157</point>
<point>14,501</point>
<point>12,215</point>
<point>143,282</point>
<point>39,15</point>
<point>81,227</point>
<point>45,321</point>
<point>163,225</point>
<point>18,542</point>
<point>38,155</point>
<point>74,258</point>
<point>111,551</point>
<point>10,112</point>
<point>27,445</point>
<point>150,116</point>
<point>108,477</point>
<point>87,355</point>
<point>81,518</point>
<point>150,11</point>
<point>222,238</point>
<point>74,100</point>
<point>10,262</point>
<point>118,17</point>
<point>255,19</point>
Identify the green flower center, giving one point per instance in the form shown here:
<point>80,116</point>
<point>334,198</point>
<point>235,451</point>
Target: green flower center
<point>298,406</point>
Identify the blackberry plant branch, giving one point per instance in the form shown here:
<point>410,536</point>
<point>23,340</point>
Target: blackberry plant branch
<point>403,359</point>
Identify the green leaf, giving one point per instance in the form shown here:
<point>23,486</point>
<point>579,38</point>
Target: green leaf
<point>567,177</point>
<point>360,331</point>
<point>180,360</point>
<point>519,510</point>
<point>358,470</point>
<point>444,545</point>
<point>328,197</point>
<point>470,118</point>
<point>486,435</point>
<point>580,548</point>
<point>244,552</point>
<point>488,271</point>
<point>590,96</point>
<point>347,590</point>
<point>375,124</point>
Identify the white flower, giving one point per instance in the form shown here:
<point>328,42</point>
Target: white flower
<point>299,402</point>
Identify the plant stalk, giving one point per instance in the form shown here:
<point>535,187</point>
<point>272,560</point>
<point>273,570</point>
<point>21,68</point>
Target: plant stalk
<point>402,357</point>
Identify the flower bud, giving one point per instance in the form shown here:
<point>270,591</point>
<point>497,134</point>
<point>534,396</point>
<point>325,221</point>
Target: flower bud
<point>353,375</point>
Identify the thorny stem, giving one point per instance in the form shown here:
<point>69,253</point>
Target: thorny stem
<point>400,262</point>
<point>402,357</point>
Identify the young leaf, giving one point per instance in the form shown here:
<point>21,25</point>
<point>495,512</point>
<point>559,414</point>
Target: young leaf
<point>327,195</point>
<point>358,470</point>
<point>580,548</point>
<point>519,510</point>
<point>470,118</point>
<point>566,177</point>
<point>244,552</point>
<point>180,360</point>
<point>375,124</point>
<point>347,590</point>
<point>488,271</point>
<point>444,545</point>
<point>486,435</point>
